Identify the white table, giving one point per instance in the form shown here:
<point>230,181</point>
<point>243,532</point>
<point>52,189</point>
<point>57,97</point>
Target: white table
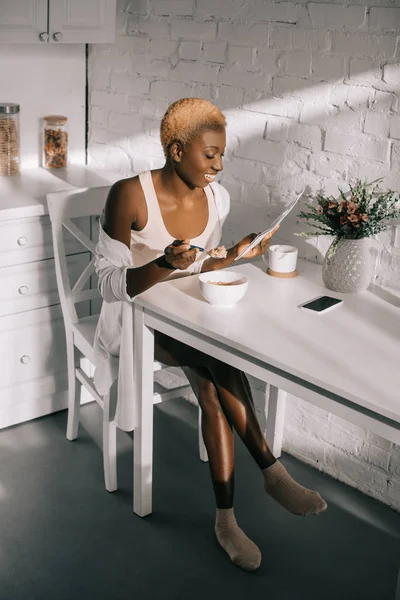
<point>345,361</point>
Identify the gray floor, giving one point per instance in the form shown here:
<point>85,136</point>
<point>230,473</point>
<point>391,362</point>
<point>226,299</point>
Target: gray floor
<point>63,537</point>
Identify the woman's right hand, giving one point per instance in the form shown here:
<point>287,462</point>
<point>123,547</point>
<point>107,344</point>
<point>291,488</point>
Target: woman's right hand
<point>179,254</point>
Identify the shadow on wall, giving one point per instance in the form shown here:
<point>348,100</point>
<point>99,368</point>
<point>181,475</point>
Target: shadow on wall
<point>316,132</point>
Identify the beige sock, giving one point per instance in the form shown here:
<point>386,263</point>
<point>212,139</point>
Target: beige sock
<point>240,549</point>
<point>293,496</point>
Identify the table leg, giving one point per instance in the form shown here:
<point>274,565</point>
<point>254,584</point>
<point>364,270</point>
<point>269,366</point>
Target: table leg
<point>275,406</point>
<point>202,448</point>
<point>143,433</point>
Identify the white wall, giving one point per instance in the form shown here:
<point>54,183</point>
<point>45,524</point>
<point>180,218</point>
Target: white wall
<point>311,92</point>
<point>45,79</point>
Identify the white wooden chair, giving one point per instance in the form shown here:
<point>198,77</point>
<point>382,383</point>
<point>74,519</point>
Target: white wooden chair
<point>63,207</point>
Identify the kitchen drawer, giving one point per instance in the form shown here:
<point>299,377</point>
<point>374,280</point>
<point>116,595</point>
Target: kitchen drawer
<point>36,317</point>
<point>28,408</point>
<point>32,390</point>
<point>31,352</point>
<point>33,285</point>
<point>29,240</point>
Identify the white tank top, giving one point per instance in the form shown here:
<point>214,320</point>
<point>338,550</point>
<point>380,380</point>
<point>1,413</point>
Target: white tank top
<point>149,243</point>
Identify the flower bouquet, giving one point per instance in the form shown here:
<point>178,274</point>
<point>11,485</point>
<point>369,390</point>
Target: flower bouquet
<point>365,210</point>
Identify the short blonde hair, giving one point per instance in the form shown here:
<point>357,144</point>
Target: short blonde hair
<point>186,119</point>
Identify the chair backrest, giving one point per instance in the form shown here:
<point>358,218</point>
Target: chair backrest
<point>63,207</point>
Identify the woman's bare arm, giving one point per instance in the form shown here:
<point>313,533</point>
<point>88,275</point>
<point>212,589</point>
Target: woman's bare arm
<point>120,213</point>
<point>212,264</point>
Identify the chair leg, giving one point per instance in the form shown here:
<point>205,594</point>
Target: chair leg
<point>74,394</point>
<point>202,447</point>
<point>109,446</point>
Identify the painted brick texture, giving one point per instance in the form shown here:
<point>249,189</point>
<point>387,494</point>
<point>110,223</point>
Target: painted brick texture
<point>310,91</point>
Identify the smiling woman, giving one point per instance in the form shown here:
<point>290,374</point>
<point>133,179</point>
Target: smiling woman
<point>198,123</point>
<point>151,231</point>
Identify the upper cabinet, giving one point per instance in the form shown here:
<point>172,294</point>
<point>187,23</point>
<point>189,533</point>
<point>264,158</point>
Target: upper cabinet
<point>23,21</point>
<point>76,21</point>
<point>57,21</point>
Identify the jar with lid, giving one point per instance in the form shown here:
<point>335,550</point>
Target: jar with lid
<point>55,143</point>
<point>9,138</point>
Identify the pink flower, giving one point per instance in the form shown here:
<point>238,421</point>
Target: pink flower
<point>332,204</point>
<point>319,210</point>
<point>364,217</point>
<point>342,205</point>
<point>343,219</point>
<point>353,218</point>
<point>352,207</point>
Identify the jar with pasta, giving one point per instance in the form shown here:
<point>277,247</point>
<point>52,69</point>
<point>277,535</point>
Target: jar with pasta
<point>55,145</point>
<point>9,138</point>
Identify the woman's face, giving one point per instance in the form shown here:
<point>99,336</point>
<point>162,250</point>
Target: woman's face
<point>199,163</point>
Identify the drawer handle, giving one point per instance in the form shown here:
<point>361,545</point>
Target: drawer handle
<point>22,241</point>
<point>25,359</point>
<point>23,290</point>
<point>57,36</point>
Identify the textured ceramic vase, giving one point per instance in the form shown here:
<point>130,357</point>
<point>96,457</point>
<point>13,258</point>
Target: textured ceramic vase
<point>348,265</point>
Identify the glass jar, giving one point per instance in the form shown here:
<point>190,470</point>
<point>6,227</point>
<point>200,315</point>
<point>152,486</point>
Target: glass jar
<point>55,143</point>
<point>9,138</point>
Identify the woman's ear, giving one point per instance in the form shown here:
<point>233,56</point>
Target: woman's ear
<point>176,150</point>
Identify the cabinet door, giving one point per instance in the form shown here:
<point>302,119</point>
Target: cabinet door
<point>23,21</point>
<point>82,21</point>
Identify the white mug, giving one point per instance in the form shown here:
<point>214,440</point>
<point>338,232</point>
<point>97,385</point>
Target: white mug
<point>282,259</point>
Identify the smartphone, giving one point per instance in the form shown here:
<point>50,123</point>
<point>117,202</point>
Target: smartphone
<point>321,304</point>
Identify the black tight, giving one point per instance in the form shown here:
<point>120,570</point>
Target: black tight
<point>225,399</point>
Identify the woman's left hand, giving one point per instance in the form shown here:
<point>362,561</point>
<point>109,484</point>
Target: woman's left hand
<point>258,250</point>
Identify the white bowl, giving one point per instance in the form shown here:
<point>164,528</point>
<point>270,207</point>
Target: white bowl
<point>223,295</point>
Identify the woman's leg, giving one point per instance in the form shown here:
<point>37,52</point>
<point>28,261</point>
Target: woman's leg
<point>235,395</point>
<point>218,438</point>
<point>217,435</point>
<point>216,428</point>
<point>236,400</point>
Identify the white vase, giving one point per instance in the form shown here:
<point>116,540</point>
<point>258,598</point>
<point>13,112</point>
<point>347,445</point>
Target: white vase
<point>348,265</point>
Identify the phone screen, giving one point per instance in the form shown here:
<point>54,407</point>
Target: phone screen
<point>322,303</point>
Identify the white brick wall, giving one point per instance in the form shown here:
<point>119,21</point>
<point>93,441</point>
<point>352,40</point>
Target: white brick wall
<point>310,90</point>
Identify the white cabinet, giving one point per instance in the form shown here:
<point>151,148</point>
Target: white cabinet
<point>33,359</point>
<point>33,362</point>
<point>57,21</point>
<point>23,21</point>
<point>76,21</point>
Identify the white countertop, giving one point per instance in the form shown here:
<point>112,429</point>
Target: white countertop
<point>24,195</point>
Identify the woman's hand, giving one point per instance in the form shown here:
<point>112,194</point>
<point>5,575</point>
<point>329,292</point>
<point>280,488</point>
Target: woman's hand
<point>258,250</point>
<point>179,254</point>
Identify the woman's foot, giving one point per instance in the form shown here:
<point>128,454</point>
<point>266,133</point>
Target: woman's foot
<point>293,496</point>
<point>240,549</point>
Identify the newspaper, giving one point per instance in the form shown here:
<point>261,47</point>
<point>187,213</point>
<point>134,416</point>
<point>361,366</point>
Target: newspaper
<point>275,223</point>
